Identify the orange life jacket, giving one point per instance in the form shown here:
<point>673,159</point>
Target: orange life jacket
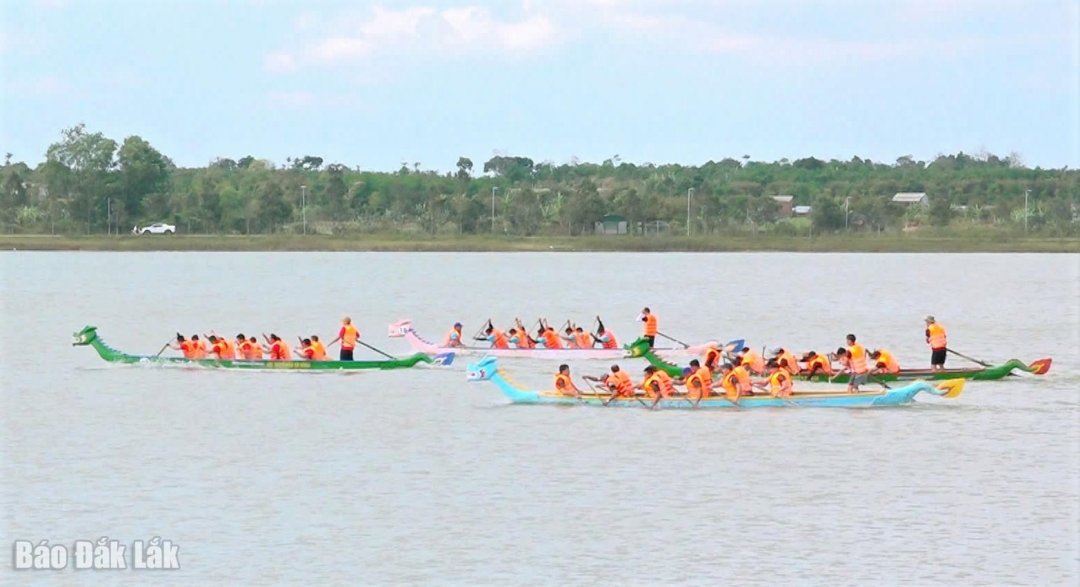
<point>219,348</point>
<point>498,339</point>
<point>256,351</point>
<point>936,334</point>
<point>607,340</point>
<point>886,360</point>
<point>858,359</point>
<point>789,362</point>
<point>319,351</point>
<point>650,325</point>
<point>661,380</point>
<point>349,334</point>
<point>449,337</point>
<point>230,349</point>
<point>551,339</point>
<point>780,383</point>
<point>712,357</point>
<point>200,351</point>
<point>563,384</point>
<point>754,361</point>
<point>307,352</point>
<point>583,340</point>
<point>188,348</point>
<point>244,350</point>
<point>279,351</point>
<point>621,382</point>
<point>730,384</point>
<point>821,363</point>
<point>699,383</point>
<point>742,375</point>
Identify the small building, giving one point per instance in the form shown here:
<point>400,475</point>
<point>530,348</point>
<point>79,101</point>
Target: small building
<point>912,199</point>
<point>611,224</point>
<point>801,210</point>
<point>785,205</point>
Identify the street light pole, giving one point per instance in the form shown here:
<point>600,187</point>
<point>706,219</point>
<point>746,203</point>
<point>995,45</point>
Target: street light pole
<point>689,193</point>
<point>493,208</point>
<point>303,205</point>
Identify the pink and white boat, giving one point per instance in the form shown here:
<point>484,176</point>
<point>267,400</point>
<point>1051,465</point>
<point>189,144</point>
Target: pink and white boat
<point>404,329</point>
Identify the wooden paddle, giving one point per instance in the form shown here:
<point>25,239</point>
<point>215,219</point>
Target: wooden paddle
<point>685,346</point>
<point>163,349</point>
<point>387,355</point>
<point>968,358</point>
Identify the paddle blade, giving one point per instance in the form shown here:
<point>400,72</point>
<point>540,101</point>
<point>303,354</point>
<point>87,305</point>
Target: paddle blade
<point>444,359</point>
<point>1041,366</point>
<point>952,388</point>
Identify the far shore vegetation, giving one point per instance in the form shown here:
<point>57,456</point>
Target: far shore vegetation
<point>90,192</point>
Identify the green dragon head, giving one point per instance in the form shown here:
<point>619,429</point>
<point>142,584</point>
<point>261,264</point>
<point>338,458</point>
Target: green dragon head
<point>638,347</point>
<point>84,336</point>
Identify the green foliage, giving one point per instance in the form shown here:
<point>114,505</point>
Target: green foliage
<point>88,184</point>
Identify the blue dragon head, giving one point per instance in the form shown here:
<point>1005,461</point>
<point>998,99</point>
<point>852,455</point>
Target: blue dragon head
<point>483,369</point>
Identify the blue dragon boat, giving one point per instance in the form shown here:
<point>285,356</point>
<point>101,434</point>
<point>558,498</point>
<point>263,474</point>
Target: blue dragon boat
<point>487,369</point>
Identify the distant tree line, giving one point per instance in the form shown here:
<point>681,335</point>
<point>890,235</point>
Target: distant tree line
<point>91,184</point>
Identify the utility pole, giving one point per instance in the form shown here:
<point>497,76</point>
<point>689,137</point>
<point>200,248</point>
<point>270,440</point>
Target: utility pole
<point>493,208</point>
<point>303,205</point>
<point>689,193</point>
<point>1026,209</point>
<point>847,204</point>
<point>108,215</point>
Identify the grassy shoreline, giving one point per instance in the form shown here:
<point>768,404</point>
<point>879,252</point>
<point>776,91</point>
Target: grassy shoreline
<point>488,243</point>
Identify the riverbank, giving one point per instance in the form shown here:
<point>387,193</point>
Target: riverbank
<point>854,243</point>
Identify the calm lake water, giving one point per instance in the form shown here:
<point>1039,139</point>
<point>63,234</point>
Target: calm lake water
<point>418,477</point>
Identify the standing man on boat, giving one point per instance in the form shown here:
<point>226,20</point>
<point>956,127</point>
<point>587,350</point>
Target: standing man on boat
<point>348,335</point>
<point>650,326</point>
<point>935,337</point>
<point>854,360</point>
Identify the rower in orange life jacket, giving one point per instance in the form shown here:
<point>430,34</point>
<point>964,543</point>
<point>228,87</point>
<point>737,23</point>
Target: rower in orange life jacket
<point>729,382</point>
<point>278,350</point>
<point>785,360</point>
<point>753,360</point>
<point>605,337</point>
<point>318,349</point>
<point>650,326</point>
<point>583,339</point>
<point>184,346</point>
<point>255,349</point>
<point>518,338</point>
<point>496,338</point>
<point>713,357</point>
<point>228,351</point>
<point>568,337</point>
<point>241,346</point>
<point>618,382</point>
<point>779,379</point>
<point>658,384</point>
<point>550,338</point>
<point>741,372</point>
<point>524,341</point>
<point>564,384</point>
<point>698,381</point>
<point>939,343</point>
<point>453,338</point>
<point>305,351</point>
<point>816,363</point>
<point>217,347</point>
<point>200,351</point>
<point>854,358</point>
<point>884,362</point>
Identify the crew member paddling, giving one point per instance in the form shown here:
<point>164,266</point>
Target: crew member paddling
<point>658,384</point>
<point>348,335</point>
<point>816,363</point>
<point>318,348</point>
<point>550,338</point>
<point>884,362</point>
<point>564,384</point>
<point>698,382</point>
<point>184,346</point>
<point>583,339</point>
<point>935,337</point>
<point>605,337</point>
<point>453,338</point>
<point>496,337</point>
<point>785,360</point>
<point>201,350</point>
<point>277,349</point>
<point>752,360</point>
<point>650,326</point>
<point>779,380</point>
<point>305,351</point>
<point>243,348</point>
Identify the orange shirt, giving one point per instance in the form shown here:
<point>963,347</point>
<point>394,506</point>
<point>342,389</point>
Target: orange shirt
<point>650,325</point>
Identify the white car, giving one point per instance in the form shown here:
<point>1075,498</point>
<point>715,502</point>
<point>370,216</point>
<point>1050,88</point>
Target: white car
<point>159,228</point>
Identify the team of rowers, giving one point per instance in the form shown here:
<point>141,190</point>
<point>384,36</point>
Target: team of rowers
<point>734,379</point>
<point>572,337</point>
<point>275,349</point>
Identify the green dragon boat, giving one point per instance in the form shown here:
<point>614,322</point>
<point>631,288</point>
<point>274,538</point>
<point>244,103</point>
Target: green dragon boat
<point>88,336</point>
<point>640,348</point>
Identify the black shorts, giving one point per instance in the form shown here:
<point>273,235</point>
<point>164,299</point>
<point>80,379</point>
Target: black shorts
<point>937,357</point>
<point>346,355</point>
<point>652,341</point>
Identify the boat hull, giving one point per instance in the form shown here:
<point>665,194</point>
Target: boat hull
<point>421,345</point>
<point>487,370</point>
<point>991,373</point>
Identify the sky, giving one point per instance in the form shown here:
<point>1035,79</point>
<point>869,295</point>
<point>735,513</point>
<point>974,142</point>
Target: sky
<point>376,84</point>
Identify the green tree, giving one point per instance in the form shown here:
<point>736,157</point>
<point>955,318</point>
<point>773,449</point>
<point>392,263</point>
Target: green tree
<point>940,211</point>
<point>826,215</point>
